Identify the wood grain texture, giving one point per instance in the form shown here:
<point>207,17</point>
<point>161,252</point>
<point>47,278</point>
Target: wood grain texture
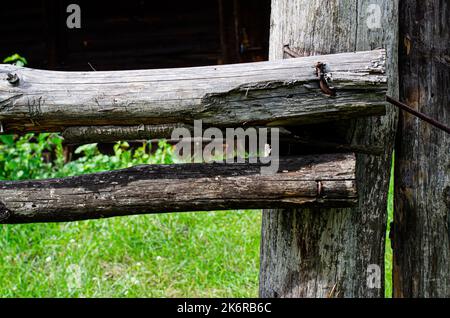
<point>263,93</point>
<point>326,252</point>
<point>422,182</point>
<point>310,180</point>
<point>101,134</point>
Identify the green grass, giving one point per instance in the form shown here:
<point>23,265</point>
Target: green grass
<point>212,254</point>
<point>388,252</point>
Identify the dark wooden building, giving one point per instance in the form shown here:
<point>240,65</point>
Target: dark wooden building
<point>136,34</point>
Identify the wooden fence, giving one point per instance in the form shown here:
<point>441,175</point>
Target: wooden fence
<point>333,224</point>
<point>99,106</point>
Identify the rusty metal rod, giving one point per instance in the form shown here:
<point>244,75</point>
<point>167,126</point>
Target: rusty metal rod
<point>420,115</point>
<point>290,52</point>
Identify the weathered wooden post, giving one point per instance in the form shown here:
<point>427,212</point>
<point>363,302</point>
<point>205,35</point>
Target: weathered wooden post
<point>327,252</point>
<point>422,191</point>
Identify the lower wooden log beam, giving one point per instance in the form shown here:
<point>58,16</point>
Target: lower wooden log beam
<point>325,180</point>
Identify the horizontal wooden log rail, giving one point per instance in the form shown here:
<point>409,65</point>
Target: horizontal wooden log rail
<point>325,180</point>
<point>154,133</point>
<point>275,93</point>
<point>103,134</point>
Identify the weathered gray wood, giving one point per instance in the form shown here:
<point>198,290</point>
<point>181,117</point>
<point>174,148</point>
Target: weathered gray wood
<point>105,134</point>
<point>265,93</point>
<point>326,252</point>
<point>422,184</point>
<point>100,134</point>
<point>311,181</point>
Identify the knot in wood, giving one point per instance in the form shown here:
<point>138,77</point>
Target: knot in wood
<point>13,79</point>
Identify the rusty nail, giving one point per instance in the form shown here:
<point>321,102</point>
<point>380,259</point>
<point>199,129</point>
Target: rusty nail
<point>290,52</point>
<point>324,87</point>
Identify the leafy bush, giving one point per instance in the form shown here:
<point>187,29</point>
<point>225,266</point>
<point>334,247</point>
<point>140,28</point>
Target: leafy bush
<point>42,156</point>
<point>16,59</point>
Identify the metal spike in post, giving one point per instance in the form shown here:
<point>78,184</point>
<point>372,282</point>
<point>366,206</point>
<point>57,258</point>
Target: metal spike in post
<point>419,115</point>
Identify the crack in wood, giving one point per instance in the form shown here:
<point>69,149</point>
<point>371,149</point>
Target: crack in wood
<point>4,212</point>
<point>35,107</point>
<point>8,103</point>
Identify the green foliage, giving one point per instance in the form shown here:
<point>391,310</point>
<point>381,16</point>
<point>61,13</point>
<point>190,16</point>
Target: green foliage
<point>23,158</point>
<point>93,161</point>
<point>41,156</point>
<point>16,59</point>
